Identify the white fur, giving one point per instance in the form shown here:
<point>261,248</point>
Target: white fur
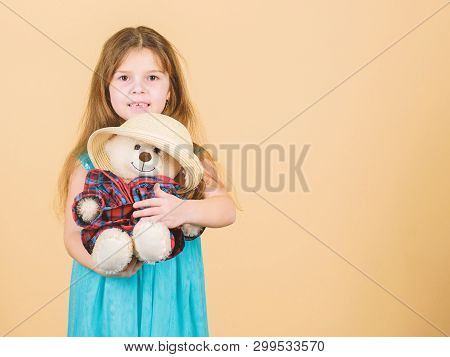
<point>151,241</point>
<point>125,160</point>
<point>113,251</point>
<point>88,209</point>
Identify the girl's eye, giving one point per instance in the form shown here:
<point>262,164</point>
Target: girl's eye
<point>137,147</point>
<point>124,77</point>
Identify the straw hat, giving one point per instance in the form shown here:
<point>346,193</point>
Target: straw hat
<point>159,130</point>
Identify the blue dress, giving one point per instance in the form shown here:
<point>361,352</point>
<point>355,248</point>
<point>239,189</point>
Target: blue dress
<point>162,299</point>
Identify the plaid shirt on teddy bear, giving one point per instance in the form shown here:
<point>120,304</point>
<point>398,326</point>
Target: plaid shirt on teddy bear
<point>115,198</point>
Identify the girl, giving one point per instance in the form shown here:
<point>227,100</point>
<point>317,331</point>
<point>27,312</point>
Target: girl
<point>139,70</point>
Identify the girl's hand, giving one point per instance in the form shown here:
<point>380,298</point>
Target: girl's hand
<point>133,266</point>
<point>165,208</point>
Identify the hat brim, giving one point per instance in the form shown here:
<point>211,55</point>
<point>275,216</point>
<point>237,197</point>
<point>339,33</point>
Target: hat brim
<point>183,154</point>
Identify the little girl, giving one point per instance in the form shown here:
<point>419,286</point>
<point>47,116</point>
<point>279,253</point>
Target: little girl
<point>139,70</point>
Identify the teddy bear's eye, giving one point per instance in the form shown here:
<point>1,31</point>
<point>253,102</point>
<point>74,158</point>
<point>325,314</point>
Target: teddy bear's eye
<point>137,147</point>
<point>156,150</point>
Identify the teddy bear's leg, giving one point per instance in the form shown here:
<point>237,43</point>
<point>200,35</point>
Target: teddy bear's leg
<point>112,251</point>
<point>151,241</point>
<point>190,230</point>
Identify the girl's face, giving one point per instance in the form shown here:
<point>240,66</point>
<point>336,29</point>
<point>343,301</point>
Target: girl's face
<point>139,84</point>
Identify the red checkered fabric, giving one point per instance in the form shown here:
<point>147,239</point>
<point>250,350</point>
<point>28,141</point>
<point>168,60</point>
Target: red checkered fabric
<point>115,198</point>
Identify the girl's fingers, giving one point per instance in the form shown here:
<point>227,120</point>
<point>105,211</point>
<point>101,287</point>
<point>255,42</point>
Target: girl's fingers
<point>132,268</point>
<point>147,212</point>
<point>137,267</point>
<point>150,202</point>
<point>131,265</point>
<point>159,192</point>
<point>155,219</point>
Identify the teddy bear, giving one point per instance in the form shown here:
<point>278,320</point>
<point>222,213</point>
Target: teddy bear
<point>129,161</point>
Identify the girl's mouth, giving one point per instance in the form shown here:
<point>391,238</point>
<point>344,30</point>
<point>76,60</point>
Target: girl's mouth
<point>138,105</point>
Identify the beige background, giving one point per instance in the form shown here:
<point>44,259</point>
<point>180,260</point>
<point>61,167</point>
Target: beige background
<point>378,166</point>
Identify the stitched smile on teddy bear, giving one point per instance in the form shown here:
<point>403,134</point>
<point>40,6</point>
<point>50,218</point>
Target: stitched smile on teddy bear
<point>145,157</point>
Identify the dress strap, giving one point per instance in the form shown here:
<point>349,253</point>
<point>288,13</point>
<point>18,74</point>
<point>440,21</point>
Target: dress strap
<point>86,161</point>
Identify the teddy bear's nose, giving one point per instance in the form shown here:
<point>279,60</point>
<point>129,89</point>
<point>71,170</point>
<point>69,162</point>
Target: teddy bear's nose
<point>145,156</point>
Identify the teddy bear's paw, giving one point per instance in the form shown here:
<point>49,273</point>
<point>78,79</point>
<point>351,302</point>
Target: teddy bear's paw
<point>191,230</point>
<point>113,251</point>
<point>88,209</point>
<point>151,241</point>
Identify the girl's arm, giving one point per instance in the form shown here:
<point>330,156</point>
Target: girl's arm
<point>216,210</point>
<point>72,232</point>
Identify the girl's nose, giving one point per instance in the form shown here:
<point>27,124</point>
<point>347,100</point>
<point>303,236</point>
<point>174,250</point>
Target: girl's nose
<point>138,87</point>
<point>145,156</point>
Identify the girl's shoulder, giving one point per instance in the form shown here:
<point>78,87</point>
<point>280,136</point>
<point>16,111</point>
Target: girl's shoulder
<point>86,161</point>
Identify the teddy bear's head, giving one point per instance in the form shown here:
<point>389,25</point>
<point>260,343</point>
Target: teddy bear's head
<point>131,158</point>
<point>148,144</point>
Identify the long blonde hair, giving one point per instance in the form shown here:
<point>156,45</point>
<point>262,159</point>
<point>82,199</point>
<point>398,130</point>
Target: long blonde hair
<point>99,112</point>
